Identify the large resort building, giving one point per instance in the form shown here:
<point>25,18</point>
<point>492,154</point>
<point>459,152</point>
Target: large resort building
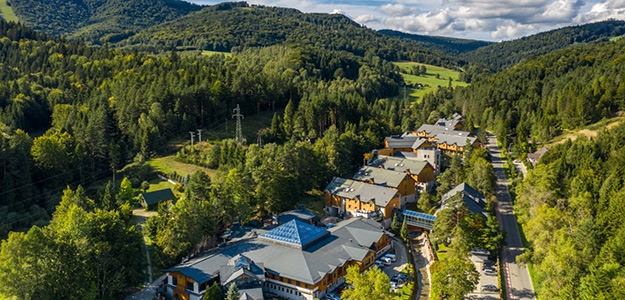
<point>352,198</point>
<point>295,260</point>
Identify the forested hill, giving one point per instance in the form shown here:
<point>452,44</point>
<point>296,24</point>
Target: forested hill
<point>533,100</point>
<point>448,45</point>
<point>228,25</point>
<point>505,54</point>
<point>98,21</point>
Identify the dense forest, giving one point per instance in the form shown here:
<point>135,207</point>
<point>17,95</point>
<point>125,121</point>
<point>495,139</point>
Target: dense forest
<point>101,108</point>
<point>98,21</point>
<point>502,55</point>
<point>235,25</point>
<point>572,210</point>
<point>535,99</point>
<point>448,45</point>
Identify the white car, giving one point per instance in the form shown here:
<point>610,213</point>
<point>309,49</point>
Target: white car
<point>391,256</point>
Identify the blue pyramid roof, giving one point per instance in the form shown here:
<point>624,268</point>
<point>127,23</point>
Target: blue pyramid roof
<point>295,233</point>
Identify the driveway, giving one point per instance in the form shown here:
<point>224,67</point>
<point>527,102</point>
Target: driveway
<point>518,281</point>
<point>401,260</point>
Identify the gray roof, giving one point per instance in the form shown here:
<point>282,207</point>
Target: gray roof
<point>158,196</point>
<point>474,200</point>
<point>408,141</point>
<point>365,192</point>
<point>380,177</point>
<point>459,140</point>
<point>412,166</point>
<point>301,214</point>
<point>348,240</point>
<point>239,265</point>
<point>449,123</point>
<point>251,294</point>
<point>433,130</point>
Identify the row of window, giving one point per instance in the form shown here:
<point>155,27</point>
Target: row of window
<point>282,289</point>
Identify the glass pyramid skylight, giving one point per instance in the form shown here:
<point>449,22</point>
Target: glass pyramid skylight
<point>295,233</point>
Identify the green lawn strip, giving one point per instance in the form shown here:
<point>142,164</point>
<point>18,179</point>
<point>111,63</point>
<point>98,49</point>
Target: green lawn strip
<point>7,13</point>
<point>314,202</point>
<point>207,52</point>
<point>159,184</point>
<point>442,252</point>
<point>168,164</point>
<point>502,282</point>
<point>506,170</point>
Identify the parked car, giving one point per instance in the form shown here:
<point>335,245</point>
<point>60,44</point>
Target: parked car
<point>333,296</point>
<point>379,263</point>
<point>489,288</point>
<point>516,161</point>
<point>490,272</point>
<point>386,260</point>
<point>391,256</point>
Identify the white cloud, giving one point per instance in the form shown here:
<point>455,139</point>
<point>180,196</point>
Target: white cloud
<point>614,9</point>
<point>398,10</point>
<point>434,21</point>
<point>337,11</point>
<point>512,31</point>
<point>365,19</point>
<point>479,19</point>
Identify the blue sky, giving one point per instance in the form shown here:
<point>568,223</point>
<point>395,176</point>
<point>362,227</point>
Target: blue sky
<point>492,20</point>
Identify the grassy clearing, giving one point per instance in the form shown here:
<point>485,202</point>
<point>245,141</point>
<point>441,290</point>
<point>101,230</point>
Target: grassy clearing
<point>6,12</point>
<point>589,131</point>
<point>442,252</point>
<point>159,184</point>
<point>429,80</point>
<point>168,164</point>
<point>616,38</point>
<point>206,52</point>
<point>315,202</point>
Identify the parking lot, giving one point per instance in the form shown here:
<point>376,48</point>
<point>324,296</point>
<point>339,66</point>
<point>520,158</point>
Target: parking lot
<point>484,280</point>
<point>400,263</point>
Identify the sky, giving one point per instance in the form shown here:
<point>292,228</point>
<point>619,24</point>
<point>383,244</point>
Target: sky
<point>491,20</point>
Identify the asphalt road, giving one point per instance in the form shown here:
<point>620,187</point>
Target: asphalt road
<point>518,281</point>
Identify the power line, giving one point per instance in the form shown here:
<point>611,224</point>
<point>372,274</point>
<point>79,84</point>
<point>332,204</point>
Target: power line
<point>237,114</point>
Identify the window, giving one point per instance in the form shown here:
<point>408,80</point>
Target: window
<point>174,280</point>
<point>190,285</point>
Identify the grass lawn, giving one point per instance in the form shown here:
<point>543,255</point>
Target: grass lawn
<point>159,184</point>
<point>315,202</point>
<point>442,252</point>
<point>616,38</point>
<point>589,131</point>
<point>6,12</point>
<point>429,80</point>
<point>206,52</point>
<point>168,164</point>
<point>405,292</point>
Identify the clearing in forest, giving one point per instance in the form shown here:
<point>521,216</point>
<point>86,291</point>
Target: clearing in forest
<point>429,80</point>
<point>589,131</point>
<point>6,12</point>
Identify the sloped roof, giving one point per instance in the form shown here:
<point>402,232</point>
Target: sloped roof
<point>239,265</point>
<point>295,233</point>
<point>301,214</point>
<point>408,141</point>
<point>158,196</point>
<point>459,140</point>
<point>308,265</point>
<point>412,166</point>
<point>380,177</point>
<point>251,294</point>
<point>364,192</point>
<point>475,200</point>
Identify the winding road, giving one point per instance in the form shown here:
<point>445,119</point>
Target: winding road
<point>518,281</point>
